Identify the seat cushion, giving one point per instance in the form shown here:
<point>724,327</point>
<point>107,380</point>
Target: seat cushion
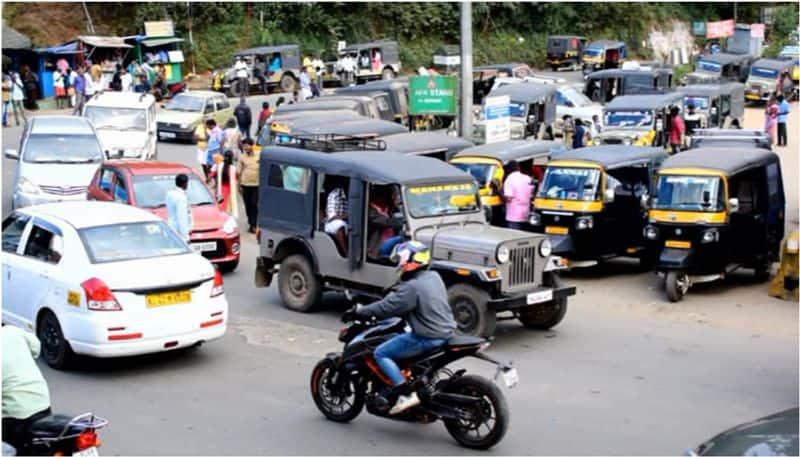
<point>463,340</point>
<point>52,426</point>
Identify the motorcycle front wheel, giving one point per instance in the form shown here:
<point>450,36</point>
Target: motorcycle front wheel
<point>489,418</point>
<point>342,406</point>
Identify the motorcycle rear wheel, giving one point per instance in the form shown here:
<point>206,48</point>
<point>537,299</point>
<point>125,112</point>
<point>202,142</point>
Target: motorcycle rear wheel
<point>490,417</point>
<point>333,405</point>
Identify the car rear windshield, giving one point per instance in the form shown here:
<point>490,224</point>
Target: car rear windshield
<point>104,117</point>
<point>183,102</point>
<point>54,148</point>
<point>131,241</point>
<point>151,190</point>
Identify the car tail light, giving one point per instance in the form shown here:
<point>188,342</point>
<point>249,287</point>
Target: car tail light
<point>86,440</point>
<point>99,297</point>
<point>218,288</point>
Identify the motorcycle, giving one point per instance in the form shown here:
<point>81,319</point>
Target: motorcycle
<point>473,408</point>
<point>61,434</point>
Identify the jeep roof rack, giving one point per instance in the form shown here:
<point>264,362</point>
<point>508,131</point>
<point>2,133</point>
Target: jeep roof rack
<point>329,142</point>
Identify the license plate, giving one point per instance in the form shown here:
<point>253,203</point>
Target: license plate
<point>539,297</point>
<point>511,378</point>
<point>205,247</point>
<point>553,230</point>
<point>166,134</point>
<point>678,244</point>
<point>88,452</point>
<point>168,298</point>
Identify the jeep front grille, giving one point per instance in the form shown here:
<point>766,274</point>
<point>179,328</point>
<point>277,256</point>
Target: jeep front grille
<point>520,266</point>
<point>612,141</point>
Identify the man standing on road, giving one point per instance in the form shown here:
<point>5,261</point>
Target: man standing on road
<point>6,98</point>
<point>578,137</point>
<point>517,192</point>
<point>17,98</point>
<point>569,130</point>
<point>126,80</point>
<point>305,84</point>
<point>242,76</point>
<point>783,114</point>
<point>676,130</point>
<point>244,117</point>
<point>179,213</point>
<point>248,169</point>
<point>263,117</point>
<point>216,139</point>
<point>80,91</point>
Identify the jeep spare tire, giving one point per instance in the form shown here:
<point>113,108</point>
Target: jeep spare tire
<point>471,310</point>
<point>300,289</point>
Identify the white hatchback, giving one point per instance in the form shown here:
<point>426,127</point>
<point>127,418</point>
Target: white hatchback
<point>106,280</point>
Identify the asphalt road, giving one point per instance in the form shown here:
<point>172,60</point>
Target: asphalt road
<point>625,373</point>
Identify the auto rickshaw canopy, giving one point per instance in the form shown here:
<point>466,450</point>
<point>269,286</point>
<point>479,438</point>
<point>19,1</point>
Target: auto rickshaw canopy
<point>611,156</point>
<point>729,161</point>
<point>506,151</point>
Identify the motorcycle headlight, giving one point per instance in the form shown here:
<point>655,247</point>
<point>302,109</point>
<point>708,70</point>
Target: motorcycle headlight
<point>709,236</point>
<point>503,253</point>
<point>545,248</point>
<point>230,225</point>
<point>651,233</point>
<point>26,186</point>
<point>584,223</point>
<point>535,219</point>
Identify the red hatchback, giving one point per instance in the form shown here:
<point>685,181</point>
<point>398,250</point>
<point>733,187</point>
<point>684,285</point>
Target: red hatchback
<point>215,233</point>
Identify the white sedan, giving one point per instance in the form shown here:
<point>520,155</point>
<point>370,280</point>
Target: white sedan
<point>106,280</point>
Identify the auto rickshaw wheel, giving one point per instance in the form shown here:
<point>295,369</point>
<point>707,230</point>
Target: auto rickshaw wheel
<point>288,83</point>
<point>471,310</point>
<point>300,289</point>
<point>676,284</point>
<point>762,271</point>
<point>544,316</point>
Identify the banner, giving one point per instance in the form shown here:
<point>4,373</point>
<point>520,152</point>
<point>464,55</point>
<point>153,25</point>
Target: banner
<point>720,29</point>
<point>159,28</point>
<point>498,118</point>
<point>699,28</point>
<point>757,30</point>
<point>433,95</point>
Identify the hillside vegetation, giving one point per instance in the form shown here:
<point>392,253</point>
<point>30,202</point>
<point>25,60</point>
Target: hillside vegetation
<point>503,31</point>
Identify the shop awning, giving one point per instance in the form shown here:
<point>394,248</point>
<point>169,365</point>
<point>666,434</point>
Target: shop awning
<point>66,48</point>
<point>105,41</point>
<point>12,39</point>
<point>155,42</point>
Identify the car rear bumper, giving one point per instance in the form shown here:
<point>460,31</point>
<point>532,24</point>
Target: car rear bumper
<point>149,345</point>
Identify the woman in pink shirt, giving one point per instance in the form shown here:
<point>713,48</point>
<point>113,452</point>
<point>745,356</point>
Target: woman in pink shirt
<point>517,192</point>
<point>771,119</point>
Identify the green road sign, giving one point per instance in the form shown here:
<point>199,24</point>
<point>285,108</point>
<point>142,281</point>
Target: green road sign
<point>433,95</point>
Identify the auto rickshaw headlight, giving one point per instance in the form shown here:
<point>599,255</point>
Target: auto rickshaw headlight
<point>503,254</point>
<point>535,219</point>
<point>545,248</point>
<point>651,233</point>
<point>709,236</point>
<point>584,223</point>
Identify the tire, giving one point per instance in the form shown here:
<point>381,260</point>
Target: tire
<point>320,378</point>
<point>235,90</point>
<point>676,284</point>
<point>299,287</point>
<point>494,403</point>
<point>554,67</point>
<point>288,84</point>
<point>227,267</point>
<point>545,316</point>
<point>471,310</point>
<point>56,350</point>
<point>762,272</point>
<point>387,73</point>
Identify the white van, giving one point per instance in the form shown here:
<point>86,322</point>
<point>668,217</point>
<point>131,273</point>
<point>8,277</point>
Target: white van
<point>125,123</point>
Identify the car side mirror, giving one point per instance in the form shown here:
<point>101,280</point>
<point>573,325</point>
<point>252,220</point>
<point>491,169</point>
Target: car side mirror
<point>608,196</point>
<point>733,203</point>
<point>12,154</point>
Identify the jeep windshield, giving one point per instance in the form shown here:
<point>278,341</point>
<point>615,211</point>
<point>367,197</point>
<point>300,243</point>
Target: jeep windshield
<point>690,193</point>
<point>594,52</point>
<point>482,172</point>
<point>570,183</point>
<point>700,103</point>
<point>441,199</point>
<point>764,73</point>
<point>708,67</point>
<point>627,119</point>
<point>183,102</point>
<point>117,118</point>
<point>517,109</point>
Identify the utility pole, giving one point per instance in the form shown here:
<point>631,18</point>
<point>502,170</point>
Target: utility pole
<point>88,18</point>
<point>191,38</point>
<point>465,123</point>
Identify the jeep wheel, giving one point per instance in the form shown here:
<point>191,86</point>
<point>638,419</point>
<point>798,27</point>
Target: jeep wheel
<point>299,287</point>
<point>471,310</point>
<point>235,89</point>
<point>544,316</point>
<point>288,84</point>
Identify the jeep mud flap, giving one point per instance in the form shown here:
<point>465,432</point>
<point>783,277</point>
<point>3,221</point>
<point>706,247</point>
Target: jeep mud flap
<point>264,272</point>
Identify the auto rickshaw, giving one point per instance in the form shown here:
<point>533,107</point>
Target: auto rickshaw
<point>639,120</point>
<point>483,78</point>
<point>395,89</point>
<point>487,164</point>
<point>429,144</point>
<point>591,203</point>
<point>726,138</point>
<point>714,211</point>
<point>603,55</point>
<point>565,51</point>
<point>602,86</point>
<point>532,107</point>
<point>715,105</point>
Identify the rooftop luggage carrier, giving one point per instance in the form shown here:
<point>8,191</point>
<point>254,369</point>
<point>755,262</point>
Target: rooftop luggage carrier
<point>330,142</point>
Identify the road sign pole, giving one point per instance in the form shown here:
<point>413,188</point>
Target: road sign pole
<point>465,120</point>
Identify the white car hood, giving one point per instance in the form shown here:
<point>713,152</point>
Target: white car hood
<point>178,117</point>
<point>154,272</point>
<point>113,140</point>
<point>59,174</point>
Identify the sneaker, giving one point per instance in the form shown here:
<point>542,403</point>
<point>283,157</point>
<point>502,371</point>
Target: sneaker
<point>404,402</point>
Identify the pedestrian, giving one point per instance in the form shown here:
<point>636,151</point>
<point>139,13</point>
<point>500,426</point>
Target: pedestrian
<point>248,170</point>
<point>31,82</point>
<point>305,84</point>
<point>224,173</point>
<point>216,139</point>
<point>263,117</point>
<point>126,80</point>
<point>233,138</point>
<point>6,97</point>
<point>69,91</point>
<point>295,97</point>
<point>517,193</point>
<point>593,130</point>
<point>179,212</point>
<point>144,85</point>
<point>242,76</point>
<point>579,138</point>
<point>93,82</point>
<point>244,117</point>
<point>201,137</point>
<point>783,114</point>
<point>59,89</point>
<point>79,85</point>
<point>18,98</point>
<point>771,119</point>
<point>691,119</point>
<point>569,130</point>
<point>116,80</point>
<point>279,102</point>
<point>787,85</point>
<point>677,128</point>
<point>259,70</point>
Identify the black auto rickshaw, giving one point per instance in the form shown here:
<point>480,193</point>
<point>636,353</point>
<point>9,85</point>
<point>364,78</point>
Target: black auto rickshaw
<point>565,51</point>
<point>714,105</point>
<point>639,120</point>
<point>591,203</point>
<point>395,89</point>
<point>730,138</point>
<point>718,68</point>
<point>533,109</point>
<point>429,144</point>
<point>602,86</point>
<point>716,210</point>
<point>488,162</point>
<point>603,55</point>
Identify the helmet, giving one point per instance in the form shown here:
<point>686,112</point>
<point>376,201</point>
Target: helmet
<point>411,256</point>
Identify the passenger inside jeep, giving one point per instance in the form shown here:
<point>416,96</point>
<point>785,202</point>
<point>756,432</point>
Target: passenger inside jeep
<point>336,210</point>
<point>384,227</point>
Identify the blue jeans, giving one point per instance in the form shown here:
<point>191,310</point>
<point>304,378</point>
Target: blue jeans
<point>5,113</point>
<point>385,249</point>
<point>400,347</point>
<point>245,130</point>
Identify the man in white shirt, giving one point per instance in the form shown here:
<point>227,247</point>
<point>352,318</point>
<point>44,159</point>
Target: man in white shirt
<point>126,79</point>
<point>242,75</point>
<point>179,213</point>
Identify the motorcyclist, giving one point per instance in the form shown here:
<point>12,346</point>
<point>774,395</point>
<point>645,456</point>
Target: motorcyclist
<point>26,397</point>
<point>421,299</point>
